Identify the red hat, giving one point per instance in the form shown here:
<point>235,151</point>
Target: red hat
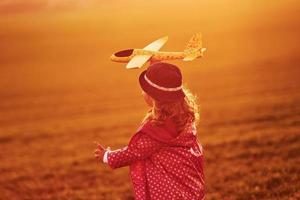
<point>162,81</point>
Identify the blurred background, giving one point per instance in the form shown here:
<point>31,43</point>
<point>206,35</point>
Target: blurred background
<point>59,92</point>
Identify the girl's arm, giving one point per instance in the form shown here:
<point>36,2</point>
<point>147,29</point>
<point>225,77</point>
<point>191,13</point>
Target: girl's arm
<point>140,149</point>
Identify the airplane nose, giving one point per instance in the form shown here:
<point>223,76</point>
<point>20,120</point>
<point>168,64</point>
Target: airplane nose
<point>112,57</point>
<point>124,53</point>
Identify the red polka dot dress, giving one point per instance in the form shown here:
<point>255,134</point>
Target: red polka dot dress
<point>164,165</point>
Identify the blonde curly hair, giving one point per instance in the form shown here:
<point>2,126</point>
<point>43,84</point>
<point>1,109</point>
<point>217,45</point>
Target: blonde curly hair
<point>182,112</point>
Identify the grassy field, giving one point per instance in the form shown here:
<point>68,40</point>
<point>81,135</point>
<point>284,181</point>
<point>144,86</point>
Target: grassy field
<point>59,93</point>
<point>249,129</point>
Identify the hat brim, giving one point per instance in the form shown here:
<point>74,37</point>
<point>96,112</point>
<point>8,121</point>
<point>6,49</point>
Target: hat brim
<point>158,94</point>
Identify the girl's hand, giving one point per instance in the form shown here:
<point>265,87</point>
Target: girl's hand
<point>99,151</point>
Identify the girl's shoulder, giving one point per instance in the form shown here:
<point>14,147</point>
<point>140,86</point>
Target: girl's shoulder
<point>162,132</point>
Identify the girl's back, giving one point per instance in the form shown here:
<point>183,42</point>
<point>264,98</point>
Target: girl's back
<point>174,170</point>
<point>165,158</point>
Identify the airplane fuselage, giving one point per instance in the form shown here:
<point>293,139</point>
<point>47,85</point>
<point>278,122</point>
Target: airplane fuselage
<point>126,55</point>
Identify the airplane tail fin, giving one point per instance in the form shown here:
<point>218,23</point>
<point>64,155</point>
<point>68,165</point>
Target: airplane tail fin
<point>194,48</point>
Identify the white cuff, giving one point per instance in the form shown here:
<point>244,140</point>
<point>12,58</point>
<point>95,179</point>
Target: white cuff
<point>105,159</point>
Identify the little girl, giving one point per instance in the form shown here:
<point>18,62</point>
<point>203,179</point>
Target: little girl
<point>165,158</point>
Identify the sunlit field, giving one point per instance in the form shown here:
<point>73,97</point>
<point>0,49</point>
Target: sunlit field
<point>59,92</point>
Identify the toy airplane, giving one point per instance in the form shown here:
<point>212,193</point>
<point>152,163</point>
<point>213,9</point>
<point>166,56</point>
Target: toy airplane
<point>136,58</point>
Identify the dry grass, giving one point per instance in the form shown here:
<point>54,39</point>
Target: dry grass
<point>249,129</point>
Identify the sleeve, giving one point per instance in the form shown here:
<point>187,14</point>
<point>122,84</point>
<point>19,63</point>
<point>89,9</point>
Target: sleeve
<point>141,148</point>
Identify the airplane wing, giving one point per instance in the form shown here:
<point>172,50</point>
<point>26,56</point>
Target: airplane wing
<point>157,44</point>
<point>139,60</point>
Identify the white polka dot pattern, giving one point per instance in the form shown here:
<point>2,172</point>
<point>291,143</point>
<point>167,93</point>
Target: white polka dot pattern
<point>161,170</point>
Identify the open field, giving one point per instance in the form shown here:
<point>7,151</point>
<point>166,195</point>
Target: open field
<point>59,93</point>
<point>249,129</point>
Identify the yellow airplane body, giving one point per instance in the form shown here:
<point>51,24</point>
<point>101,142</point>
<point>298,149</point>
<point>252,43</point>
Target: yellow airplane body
<point>136,58</point>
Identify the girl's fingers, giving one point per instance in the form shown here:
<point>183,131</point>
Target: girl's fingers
<point>99,145</point>
<point>99,150</point>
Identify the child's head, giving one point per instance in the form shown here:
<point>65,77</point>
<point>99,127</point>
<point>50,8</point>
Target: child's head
<point>163,92</point>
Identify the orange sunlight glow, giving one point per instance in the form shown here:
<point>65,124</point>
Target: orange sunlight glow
<point>20,6</point>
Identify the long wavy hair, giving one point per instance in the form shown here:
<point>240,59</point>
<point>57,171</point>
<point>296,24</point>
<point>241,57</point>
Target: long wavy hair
<point>182,112</point>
